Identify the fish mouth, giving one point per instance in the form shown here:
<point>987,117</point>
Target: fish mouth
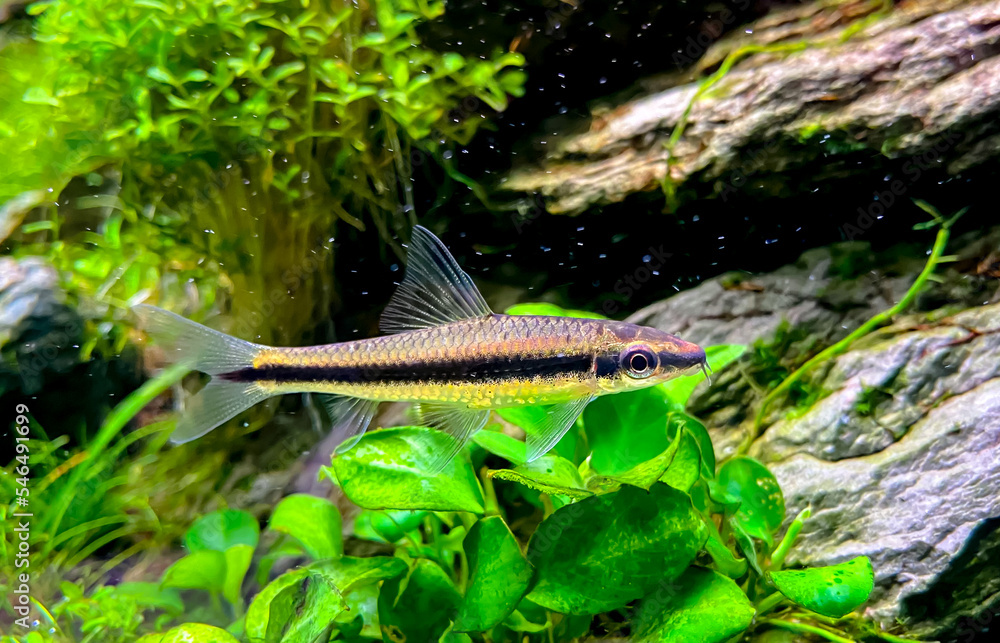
<point>685,360</point>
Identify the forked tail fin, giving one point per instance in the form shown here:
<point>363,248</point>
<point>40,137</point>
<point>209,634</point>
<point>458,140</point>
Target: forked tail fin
<point>209,351</point>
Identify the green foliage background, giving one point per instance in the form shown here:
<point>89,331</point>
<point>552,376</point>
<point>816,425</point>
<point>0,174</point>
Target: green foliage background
<point>241,131</point>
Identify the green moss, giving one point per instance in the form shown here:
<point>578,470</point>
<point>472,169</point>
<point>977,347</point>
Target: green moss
<point>871,397</point>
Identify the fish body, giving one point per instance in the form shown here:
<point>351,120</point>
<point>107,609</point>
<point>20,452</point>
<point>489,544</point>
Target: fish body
<point>447,353</point>
<point>486,362</point>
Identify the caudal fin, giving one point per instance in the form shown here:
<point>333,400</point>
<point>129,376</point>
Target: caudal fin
<point>209,351</point>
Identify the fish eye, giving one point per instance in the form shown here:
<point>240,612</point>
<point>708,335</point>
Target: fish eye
<point>639,361</point>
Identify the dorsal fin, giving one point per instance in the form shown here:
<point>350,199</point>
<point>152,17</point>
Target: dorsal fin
<point>434,290</point>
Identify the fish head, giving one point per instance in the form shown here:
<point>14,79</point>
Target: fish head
<point>635,357</point>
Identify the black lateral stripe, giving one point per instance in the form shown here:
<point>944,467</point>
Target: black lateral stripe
<point>607,365</point>
<point>447,372</point>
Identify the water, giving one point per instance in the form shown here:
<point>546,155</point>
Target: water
<point>696,168</point>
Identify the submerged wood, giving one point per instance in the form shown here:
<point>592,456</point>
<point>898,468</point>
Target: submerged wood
<point>808,89</point>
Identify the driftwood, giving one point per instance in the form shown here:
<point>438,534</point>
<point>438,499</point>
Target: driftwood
<point>802,95</point>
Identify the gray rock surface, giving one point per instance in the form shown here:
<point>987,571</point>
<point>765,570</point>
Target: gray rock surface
<point>39,333</point>
<point>899,457</point>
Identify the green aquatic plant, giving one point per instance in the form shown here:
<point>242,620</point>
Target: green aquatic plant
<point>153,136</point>
<point>81,500</point>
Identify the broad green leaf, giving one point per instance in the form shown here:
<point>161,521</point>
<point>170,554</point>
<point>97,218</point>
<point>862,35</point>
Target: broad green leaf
<point>746,545</point>
<point>321,604</point>
<point>687,457</point>
<point>604,551</point>
<point>697,430</point>
<point>679,390</point>
<point>723,557</point>
<point>502,445</point>
<point>151,595</point>
<point>313,521</point>
<point>642,475</point>
<point>695,458</point>
<point>275,606</point>
<point>833,591</point>
<point>498,576</point>
<point>238,558</point>
<point>762,505</point>
<point>190,633</point>
<point>348,572</point>
<point>626,429</point>
<point>549,474</point>
<point>517,622</point>
<point>550,310</point>
<point>701,605</point>
<point>360,619</point>
<point>222,529</point>
<point>205,569</point>
<point>386,526</point>
<point>392,469</point>
<point>298,606</point>
<point>421,608</point>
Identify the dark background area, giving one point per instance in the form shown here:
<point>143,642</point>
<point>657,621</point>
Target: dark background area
<point>598,52</point>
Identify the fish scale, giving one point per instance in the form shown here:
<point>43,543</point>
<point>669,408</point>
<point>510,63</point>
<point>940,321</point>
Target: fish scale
<point>445,352</point>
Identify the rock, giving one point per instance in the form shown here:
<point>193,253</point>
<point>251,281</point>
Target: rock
<point>38,331</point>
<point>911,482</point>
<point>897,448</point>
<point>812,90</point>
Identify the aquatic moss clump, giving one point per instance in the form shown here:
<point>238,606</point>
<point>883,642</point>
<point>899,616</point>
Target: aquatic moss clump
<point>153,135</point>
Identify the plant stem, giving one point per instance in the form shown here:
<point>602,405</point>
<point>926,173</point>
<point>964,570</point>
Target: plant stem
<point>840,347</point>
<point>781,551</point>
<point>770,602</point>
<point>490,503</point>
<point>894,639</point>
<point>806,629</point>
